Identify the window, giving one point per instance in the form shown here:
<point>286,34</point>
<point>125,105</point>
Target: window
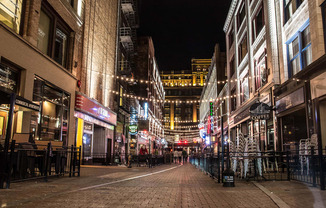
<point>54,111</point>
<point>232,67</point>
<point>10,13</point>
<point>258,23</point>
<point>53,35</point>
<point>243,50</point>
<point>261,75</point>
<point>299,50</point>
<point>244,89</point>
<point>241,15</point>
<point>233,100</point>
<point>290,6</point>
<point>231,37</point>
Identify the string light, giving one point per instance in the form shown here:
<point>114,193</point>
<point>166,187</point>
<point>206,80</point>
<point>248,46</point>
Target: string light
<point>175,101</point>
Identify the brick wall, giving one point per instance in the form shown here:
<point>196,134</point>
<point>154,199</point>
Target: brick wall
<point>99,50</point>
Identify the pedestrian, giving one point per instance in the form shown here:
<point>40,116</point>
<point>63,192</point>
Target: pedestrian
<point>184,155</point>
<point>175,156</point>
<point>180,156</point>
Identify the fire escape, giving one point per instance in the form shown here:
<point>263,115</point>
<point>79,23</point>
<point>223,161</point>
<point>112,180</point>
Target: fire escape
<point>128,42</point>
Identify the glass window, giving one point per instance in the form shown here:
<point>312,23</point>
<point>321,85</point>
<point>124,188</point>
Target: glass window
<point>53,35</point>
<point>243,49</point>
<point>241,15</point>
<point>233,100</point>
<point>299,51</point>
<point>258,23</point>
<point>244,89</point>
<point>60,47</point>
<point>261,75</point>
<point>231,37</point>
<point>44,32</point>
<point>53,125</point>
<point>10,13</point>
<point>290,6</point>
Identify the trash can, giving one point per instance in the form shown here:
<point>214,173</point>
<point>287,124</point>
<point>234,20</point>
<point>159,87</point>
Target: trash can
<point>228,178</point>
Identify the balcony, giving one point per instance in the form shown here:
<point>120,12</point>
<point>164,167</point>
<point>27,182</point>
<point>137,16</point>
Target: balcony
<point>127,6</point>
<point>125,34</point>
<point>124,67</point>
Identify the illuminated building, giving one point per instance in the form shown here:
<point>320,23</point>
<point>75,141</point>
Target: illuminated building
<point>39,60</point>
<point>185,85</point>
<point>213,89</point>
<point>148,70</point>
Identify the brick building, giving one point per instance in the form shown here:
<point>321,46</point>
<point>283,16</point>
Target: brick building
<point>95,109</point>
<point>40,56</point>
<point>147,70</point>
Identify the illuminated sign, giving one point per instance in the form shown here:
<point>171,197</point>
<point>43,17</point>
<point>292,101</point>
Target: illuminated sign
<point>211,109</point>
<point>133,129</point>
<point>95,109</point>
<point>146,111</point>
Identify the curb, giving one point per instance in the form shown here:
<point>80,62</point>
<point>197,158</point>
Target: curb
<point>277,200</point>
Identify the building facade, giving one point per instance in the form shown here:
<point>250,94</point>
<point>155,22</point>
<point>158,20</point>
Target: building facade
<point>213,87</point>
<point>151,94</point>
<point>40,58</point>
<point>300,98</point>
<point>252,67</point>
<point>275,52</point>
<point>181,109</point>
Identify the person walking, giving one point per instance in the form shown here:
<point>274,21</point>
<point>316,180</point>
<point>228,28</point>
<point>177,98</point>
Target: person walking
<point>184,155</point>
<point>175,156</point>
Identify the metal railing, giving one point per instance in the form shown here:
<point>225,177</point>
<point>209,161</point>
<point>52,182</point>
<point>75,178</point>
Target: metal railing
<point>35,162</point>
<point>279,166</point>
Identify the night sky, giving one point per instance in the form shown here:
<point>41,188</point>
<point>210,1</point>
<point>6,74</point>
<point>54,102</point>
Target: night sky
<point>183,29</point>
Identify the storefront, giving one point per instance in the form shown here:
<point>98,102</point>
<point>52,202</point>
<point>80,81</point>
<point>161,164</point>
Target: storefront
<point>292,118</point>
<point>261,130</point>
<point>95,130</point>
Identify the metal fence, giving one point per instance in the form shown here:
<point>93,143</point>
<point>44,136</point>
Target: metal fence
<point>28,161</point>
<point>308,166</point>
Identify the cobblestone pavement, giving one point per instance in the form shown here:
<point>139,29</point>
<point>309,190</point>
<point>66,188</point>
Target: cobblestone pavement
<point>297,194</point>
<point>164,186</point>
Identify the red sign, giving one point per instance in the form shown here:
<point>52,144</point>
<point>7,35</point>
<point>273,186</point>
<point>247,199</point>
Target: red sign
<point>95,109</point>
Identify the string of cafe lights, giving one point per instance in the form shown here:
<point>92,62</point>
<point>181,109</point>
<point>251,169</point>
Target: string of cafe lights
<point>175,101</point>
<point>142,81</point>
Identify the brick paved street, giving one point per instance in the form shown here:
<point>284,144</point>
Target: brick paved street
<point>183,186</point>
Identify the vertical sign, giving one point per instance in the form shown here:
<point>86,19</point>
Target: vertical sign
<point>211,113</point>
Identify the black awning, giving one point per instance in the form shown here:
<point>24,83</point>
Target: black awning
<point>5,99</point>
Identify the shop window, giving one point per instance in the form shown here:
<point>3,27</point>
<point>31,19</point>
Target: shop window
<point>258,23</point>
<point>290,6</point>
<point>241,15</point>
<point>54,102</point>
<point>261,75</point>
<point>243,49</point>
<point>299,50</point>
<point>244,89</point>
<point>11,13</point>
<point>53,35</point>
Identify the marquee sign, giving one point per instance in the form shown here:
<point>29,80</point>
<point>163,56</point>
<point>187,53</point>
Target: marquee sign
<point>95,109</point>
<point>260,111</point>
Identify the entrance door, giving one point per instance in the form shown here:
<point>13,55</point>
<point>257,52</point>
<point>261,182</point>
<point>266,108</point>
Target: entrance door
<point>322,112</point>
<point>109,151</point>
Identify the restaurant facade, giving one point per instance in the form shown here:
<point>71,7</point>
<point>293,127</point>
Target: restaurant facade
<point>36,67</point>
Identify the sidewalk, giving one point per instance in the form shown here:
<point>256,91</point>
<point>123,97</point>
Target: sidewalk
<point>296,194</point>
<point>163,186</point>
